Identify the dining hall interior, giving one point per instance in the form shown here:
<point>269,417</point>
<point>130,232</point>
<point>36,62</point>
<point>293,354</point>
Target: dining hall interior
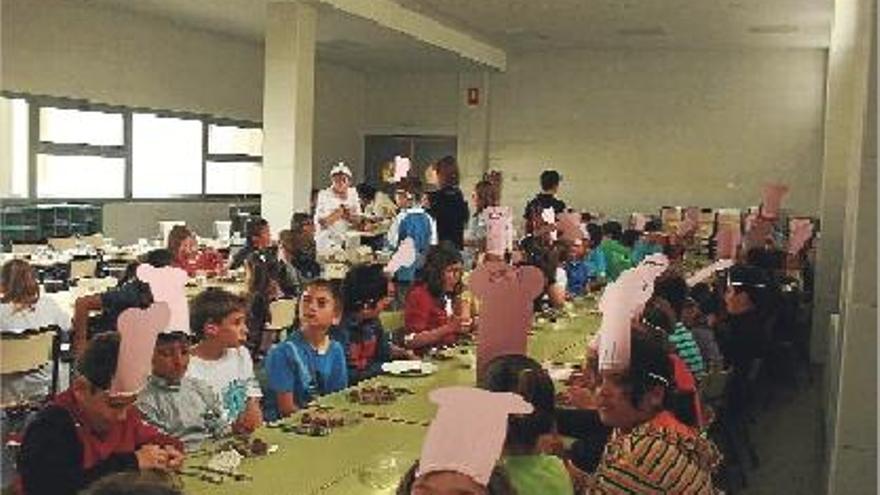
<point>438,246</point>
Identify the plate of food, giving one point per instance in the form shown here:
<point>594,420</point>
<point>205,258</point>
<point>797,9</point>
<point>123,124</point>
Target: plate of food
<point>409,368</point>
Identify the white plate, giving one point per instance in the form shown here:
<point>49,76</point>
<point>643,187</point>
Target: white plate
<point>409,368</point>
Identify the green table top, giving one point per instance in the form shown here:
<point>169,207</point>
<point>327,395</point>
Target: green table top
<point>370,457</point>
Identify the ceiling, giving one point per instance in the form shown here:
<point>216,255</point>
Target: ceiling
<point>341,38</point>
<point>522,25</point>
<point>528,25</point>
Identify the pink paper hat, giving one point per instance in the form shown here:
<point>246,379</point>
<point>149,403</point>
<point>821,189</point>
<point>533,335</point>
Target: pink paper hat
<point>569,225</point>
<point>404,256</point>
<point>138,329</point>
<point>727,241</point>
<point>620,302</point>
<point>499,229</point>
<point>168,285</point>
<point>402,166</point>
<point>467,434</point>
<point>800,231</point>
<point>771,199</point>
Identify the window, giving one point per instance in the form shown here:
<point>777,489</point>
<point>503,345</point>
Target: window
<point>61,148</point>
<point>234,163</point>
<point>166,156</point>
<point>72,126</point>
<point>80,177</point>
<point>14,147</point>
<point>233,178</point>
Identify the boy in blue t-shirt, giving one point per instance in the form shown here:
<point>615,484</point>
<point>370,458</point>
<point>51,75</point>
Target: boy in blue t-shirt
<point>413,222</point>
<point>308,363</point>
<point>585,268</point>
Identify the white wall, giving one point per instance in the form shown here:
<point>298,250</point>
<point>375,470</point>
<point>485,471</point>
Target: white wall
<point>633,130</point>
<point>72,49</point>
<point>127,222</point>
<point>411,103</point>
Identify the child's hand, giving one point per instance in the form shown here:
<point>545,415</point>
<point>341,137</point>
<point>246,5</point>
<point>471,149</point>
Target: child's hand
<point>151,457</point>
<point>175,457</point>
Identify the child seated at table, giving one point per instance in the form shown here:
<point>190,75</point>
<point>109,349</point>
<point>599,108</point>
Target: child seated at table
<point>181,406</point>
<point>530,471</point>
<point>308,363</point>
<point>429,316</point>
<point>88,432</point>
<point>130,292</point>
<point>220,359</point>
<point>267,281</point>
<point>302,248</point>
<point>366,343</point>
<point>24,308</point>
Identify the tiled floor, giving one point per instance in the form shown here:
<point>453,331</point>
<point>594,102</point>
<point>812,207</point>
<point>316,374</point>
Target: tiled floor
<point>788,440</point>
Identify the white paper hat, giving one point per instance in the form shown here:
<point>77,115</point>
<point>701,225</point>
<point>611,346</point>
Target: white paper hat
<point>340,168</point>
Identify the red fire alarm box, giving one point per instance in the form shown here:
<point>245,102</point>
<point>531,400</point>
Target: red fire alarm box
<point>473,97</point>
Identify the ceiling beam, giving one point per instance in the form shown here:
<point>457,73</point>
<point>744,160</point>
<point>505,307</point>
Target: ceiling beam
<point>393,16</point>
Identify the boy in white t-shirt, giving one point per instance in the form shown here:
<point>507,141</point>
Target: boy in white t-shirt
<point>217,318</point>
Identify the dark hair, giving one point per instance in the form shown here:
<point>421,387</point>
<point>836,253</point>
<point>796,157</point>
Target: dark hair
<point>366,191</point>
<point>657,319</point>
<point>159,258</point>
<point>649,366</point>
<point>178,234</point>
<point>364,286</point>
<point>135,483</point>
<point>333,287</point>
<point>487,195</point>
<point>19,283</point>
<point>499,483</point>
<point>653,225</point>
<point>673,289</point>
<point>550,179</point>
<point>170,337</point>
<point>264,269</point>
<point>595,232</point>
<point>612,229</point>
<point>436,260</point>
<point>705,298</point>
<point>211,306</point>
<point>753,281</point>
<point>255,226</point>
<point>629,238</point>
<point>524,376</point>
<point>298,220</point>
<point>98,363</point>
<point>411,186</point>
<point>447,171</point>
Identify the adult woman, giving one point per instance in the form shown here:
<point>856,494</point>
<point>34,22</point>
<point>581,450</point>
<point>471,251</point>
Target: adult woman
<point>448,206</point>
<point>22,308</point>
<point>650,450</point>
<point>428,314</point>
<point>182,245</point>
<point>338,209</point>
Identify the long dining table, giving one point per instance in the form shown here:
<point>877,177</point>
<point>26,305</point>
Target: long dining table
<point>373,452</point>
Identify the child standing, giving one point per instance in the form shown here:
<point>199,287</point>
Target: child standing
<point>181,406</point>
<point>308,363</point>
<point>220,358</point>
<point>413,222</point>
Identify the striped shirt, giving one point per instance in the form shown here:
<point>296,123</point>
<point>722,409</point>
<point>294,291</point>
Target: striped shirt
<point>662,456</point>
<point>687,349</point>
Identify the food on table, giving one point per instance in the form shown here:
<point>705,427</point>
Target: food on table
<point>377,395</point>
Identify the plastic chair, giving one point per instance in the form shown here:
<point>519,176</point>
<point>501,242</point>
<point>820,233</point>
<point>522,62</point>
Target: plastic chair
<point>282,313</point>
<point>62,243</point>
<point>83,268</point>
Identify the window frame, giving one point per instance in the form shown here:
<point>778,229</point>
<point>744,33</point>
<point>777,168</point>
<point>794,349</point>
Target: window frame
<point>36,146</point>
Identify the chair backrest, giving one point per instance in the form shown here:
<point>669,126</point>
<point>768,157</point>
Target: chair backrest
<point>25,248</point>
<point>25,352</point>
<point>391,320</point>
<point>83,268</point>
<point>95,240</point>
<point>282,313</point>
<point>62,243</point>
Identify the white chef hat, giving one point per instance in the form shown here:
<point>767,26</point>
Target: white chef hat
<point>340,168</point>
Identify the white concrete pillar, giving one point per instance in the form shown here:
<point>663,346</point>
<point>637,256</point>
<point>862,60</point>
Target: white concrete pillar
<point>288,111</point>
<point>473,128</point>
